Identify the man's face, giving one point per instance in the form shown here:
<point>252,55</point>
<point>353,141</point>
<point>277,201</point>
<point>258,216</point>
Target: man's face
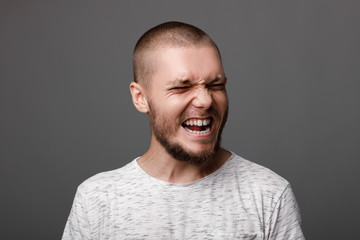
<point>188,104</point>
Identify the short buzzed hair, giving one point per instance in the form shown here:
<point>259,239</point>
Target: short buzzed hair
<point>169,34</point>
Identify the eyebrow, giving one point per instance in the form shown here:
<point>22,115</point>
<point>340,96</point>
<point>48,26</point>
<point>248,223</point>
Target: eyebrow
<point>179,81</point>
<point>218,79</point>
<point>186,81</point>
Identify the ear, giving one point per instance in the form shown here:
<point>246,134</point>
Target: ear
<point>138,97</point>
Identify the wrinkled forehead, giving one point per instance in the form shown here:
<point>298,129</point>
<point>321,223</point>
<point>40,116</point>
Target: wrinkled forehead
<point>199,64</point>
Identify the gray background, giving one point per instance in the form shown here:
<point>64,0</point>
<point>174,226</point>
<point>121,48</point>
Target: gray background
<point>66,112</point>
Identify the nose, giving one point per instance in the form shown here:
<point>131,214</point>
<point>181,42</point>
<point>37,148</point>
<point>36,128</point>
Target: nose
<point>202,98</point>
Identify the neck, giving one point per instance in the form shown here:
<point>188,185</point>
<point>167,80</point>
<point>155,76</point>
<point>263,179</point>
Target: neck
<point>159,164</point>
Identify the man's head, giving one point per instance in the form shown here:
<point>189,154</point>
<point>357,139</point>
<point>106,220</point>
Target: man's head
<point>180,84</point>
<point>152,42</point>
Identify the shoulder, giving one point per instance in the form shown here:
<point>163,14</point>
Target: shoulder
<point>105,181</point>
<point>256,180</point>
<point>262,190</point>
<point>254,172</point>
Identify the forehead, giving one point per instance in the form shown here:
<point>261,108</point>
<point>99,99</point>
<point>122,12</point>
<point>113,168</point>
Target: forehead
<point>193,63</point>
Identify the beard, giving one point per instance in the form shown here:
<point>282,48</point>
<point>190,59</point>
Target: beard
<point>163,129</point>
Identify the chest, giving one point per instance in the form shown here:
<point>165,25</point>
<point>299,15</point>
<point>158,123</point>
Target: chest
<point>179,213</point>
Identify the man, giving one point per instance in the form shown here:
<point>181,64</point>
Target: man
<point>185,186</point>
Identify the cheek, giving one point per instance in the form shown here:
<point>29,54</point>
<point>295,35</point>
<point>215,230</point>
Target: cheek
<point>176,104</point>
<point>171,113</point>
<point>221,100</point>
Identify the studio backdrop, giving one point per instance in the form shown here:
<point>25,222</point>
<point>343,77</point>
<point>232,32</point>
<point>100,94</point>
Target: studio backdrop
<point>66,112</point>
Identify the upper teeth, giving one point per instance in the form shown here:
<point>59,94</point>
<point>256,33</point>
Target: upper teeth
<point>198,122</point>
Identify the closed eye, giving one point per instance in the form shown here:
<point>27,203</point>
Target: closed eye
<point>219,86</point>
<point>180,88</point>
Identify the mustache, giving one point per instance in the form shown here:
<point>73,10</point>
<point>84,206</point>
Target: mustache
<point>211,112</point>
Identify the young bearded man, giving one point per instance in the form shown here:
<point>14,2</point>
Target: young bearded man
<point>185,186</point>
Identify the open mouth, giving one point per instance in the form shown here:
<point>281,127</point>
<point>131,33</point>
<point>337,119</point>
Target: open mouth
<point>197,126</point>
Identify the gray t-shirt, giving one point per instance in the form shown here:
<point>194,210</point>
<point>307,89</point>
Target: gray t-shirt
<point>241,200</point>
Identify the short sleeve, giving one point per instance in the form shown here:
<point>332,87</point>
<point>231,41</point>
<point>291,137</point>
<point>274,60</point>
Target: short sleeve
<point>77,225</point>
<point>285,220</point>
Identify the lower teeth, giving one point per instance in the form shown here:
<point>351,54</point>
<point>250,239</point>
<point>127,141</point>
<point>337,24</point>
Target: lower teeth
<point>198,132</point>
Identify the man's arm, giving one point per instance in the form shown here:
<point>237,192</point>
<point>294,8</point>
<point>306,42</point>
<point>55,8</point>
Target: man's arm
<point>77,225</point>
<point>285,220</point>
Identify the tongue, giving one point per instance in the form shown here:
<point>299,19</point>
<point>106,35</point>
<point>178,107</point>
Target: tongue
<point>195,128</point>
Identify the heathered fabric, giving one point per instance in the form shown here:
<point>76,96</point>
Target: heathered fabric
<point>241,200</point>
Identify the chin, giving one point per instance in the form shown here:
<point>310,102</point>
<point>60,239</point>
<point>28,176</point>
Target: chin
<point>199,157</point>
